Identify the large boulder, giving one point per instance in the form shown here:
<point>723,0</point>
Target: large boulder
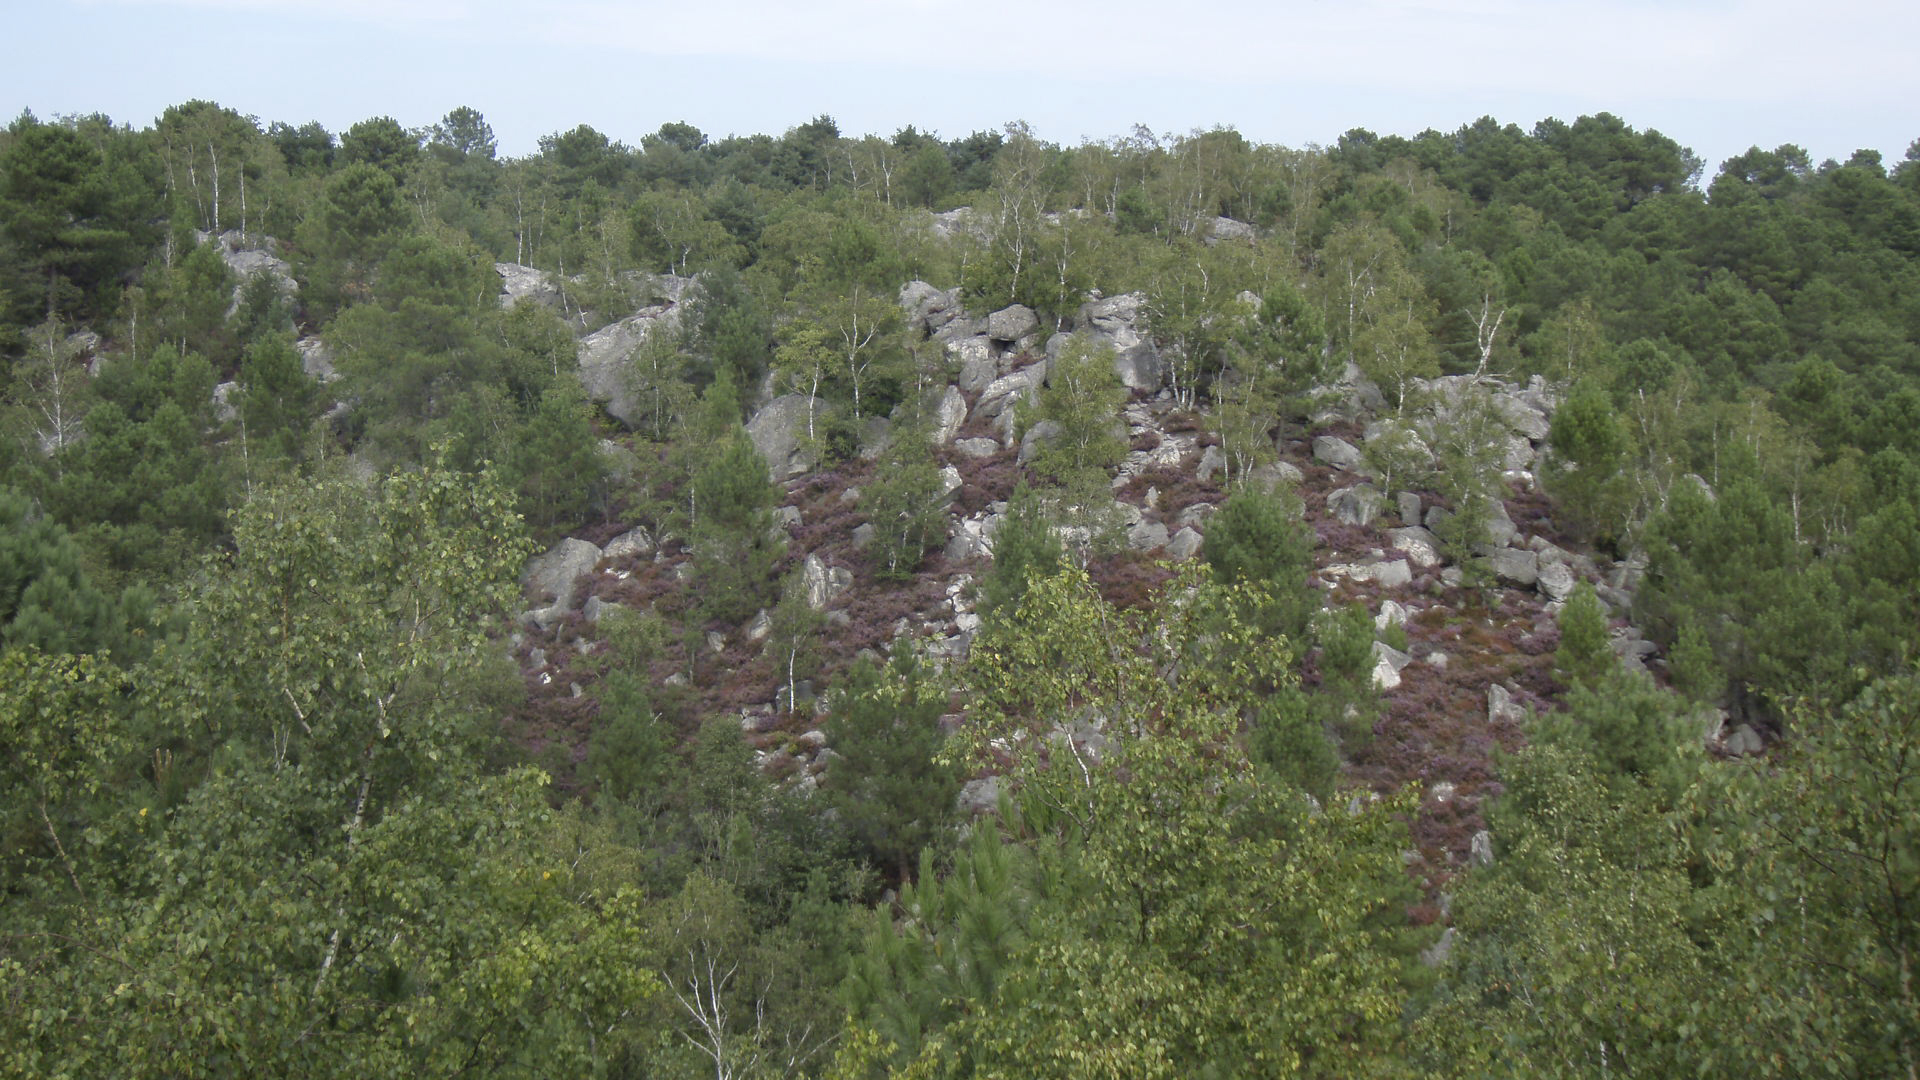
<point>1356,505</point>
<point>1336,452</point>
<point>1019,387</point>
<point>948,416</point>
<point>1556,580</point>
<point>606,359</point>
<point>519,283</point>
<point>1036,437</point>
<point>1012,323</point>
<point>1226,228</point>
<point>779,432</point>
<point>927,308</point>
<point>1421,546</point>
<point>1388,662</point>
<point>1114,321</point>
<point>552,579</point>
<point>247,259</point>
<point>1514,566</point>
<point>822,582</point>
<point>316,359</point>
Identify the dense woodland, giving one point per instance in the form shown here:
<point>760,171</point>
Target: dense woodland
<point>301,778</point>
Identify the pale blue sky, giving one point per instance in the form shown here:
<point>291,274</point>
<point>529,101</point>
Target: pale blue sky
<point>1716,75</point>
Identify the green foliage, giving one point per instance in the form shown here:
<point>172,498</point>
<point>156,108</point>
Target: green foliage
<point>892,793</point>
<point>1585,655</point>
<point>732,529</point>
<point>906,503</point>
<point>1082,399</point>
<point>1262,538</point>
<point>1025,549</point>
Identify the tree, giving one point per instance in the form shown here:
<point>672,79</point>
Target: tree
<point>731,529</point>
<point>79,223</point>
<point>890,789</point>
<point>1585,655</point>
<point>906,504</point>
<point>1082,399</point>
<point>1025,549</point>
<point>1262,539</point>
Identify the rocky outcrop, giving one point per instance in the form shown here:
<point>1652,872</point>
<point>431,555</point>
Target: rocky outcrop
<point>519,283</point>
<point>779,432</point>
<point>1012,323</point>
<point>1114,322</point>
<point>948,416</point>
<point>316,359</point>
<point>552,579</point>
<point>606,359</point>
<point>1336,452</point>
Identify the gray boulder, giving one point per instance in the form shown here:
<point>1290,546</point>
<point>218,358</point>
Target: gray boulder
<point>606,360</point>
<point>316,359</point>
<point>1500,706</point>
<point>1387,664</point>
<point>1356,505</point>
<point>636,541</point>
<point>1036,437</point>
<point>977,371</point>
<point>1012,323</point>
<point>1480,849</point>
<point>1226,228</point>
<point>948,416</point>
<point>1336,452</point>
<point>1409,507</point>
<point>1514,566</point>
<point>1556,579</point>
<point>1388,573</point>
<point>553,578</point>
<point>1147,536</point>
<point>1019,387</point>
<point>927,308</point>
<point>1212,460</point>
<point>1421,546</point>
<point>519,283</point>
<point>779,432</point>
<point>977,448</point>
<point>1744,742</point>
<point>1114,321</point>
<point>822,582</point>
<point>1185,544</point>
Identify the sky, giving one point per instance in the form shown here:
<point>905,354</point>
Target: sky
<point>1715,75</point>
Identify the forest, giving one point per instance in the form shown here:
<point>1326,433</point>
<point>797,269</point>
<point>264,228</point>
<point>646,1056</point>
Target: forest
<point>854,607</point>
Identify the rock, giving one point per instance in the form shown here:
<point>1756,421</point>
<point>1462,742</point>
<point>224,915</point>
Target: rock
<point>594,608</point>
<point>977,448</point>
<point>1185,544</point>
<point>972,538</point>
<point>1480,849</point>
<point>1500,527</point>
<point>1500,706</point>
<point>1356,505</point>
<point>1514,566</point>
<point>1271,476</point>
<point>1390,573</point>
<point>1452,578</point>
<point>1409,507</point>
<point>223,407</point>
<point>1391,614</point>
<point>1440,952</point>
<point>863,534</point>
<point>1018,388</point>
<point>976,358</point>
<point>1036,437</point>
<point>950,484</point>
<point>758,627</point>
<point>316,359</point>
<point>779,432</point>
<point>1212,460</point>
<point>978,797</point>
<point>557,574</point>
<point>1556,580</point>
<point>822,583</point>
<point>1012,323</point>
<point>977,373</point>
<point>1336,452</point>
<point>605,360</point>
<point>948,416</point>
<point>928,308</point>
<point>636,541</point>
<point>1744,742</point>
<point>1226,228</point>
<point>788,517</point>
<point>1387,662</point>
<point>519,283</point>
<point>1115,321</point>
<point>1147,536</point>
<point>1194,515</point>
